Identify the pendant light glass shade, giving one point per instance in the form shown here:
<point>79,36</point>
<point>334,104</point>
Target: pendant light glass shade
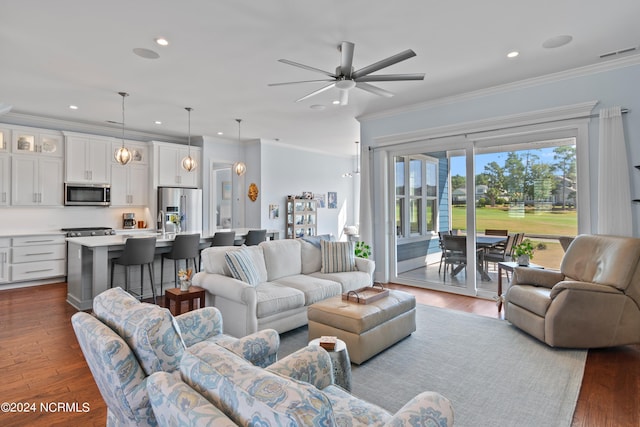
<point>188,163</point>
<point>239,167</point>
<point>122,154</point>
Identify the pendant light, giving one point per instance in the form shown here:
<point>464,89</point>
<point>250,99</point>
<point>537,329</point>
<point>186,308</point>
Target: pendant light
<point>122,154</point>
<point>188,163</point>
<point>357,171</point>
<point>239,167</point>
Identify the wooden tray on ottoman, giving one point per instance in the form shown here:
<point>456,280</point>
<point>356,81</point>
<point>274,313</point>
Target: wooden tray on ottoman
<point>366,295</point>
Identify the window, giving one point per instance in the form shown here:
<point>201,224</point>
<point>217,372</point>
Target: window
<point>416,191</point>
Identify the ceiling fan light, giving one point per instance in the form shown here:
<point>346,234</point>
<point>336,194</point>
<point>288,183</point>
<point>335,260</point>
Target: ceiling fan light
<point>189,163</point>
<point>239,168</point>
<point>345,84</point>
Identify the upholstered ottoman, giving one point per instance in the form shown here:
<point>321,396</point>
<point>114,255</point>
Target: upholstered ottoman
<point>367,329</point>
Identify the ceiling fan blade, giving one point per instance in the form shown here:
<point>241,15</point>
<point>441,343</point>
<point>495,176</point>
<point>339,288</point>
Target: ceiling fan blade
<point>306,67</point>
<point>374,89</point>
<point>295,83</point>
<point>390,77</point>
<point>315,92</point>
<point>344,96</point>
<point>398,57</point>
<point>346,63</point>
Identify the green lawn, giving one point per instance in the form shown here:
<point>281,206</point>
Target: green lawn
<point>559,223</point>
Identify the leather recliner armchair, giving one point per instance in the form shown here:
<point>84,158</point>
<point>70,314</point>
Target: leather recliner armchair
<point>593,301</point>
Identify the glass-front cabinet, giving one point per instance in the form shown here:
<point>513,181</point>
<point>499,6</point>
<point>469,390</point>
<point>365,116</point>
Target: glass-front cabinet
<point>5,137</point>
<point>32,141</point>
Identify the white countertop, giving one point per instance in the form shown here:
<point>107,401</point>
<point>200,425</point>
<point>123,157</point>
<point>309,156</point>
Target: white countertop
<point>119,239</point>
<point>21,233</point>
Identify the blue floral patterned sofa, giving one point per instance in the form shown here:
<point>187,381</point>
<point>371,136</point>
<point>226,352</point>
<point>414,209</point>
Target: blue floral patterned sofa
<point>220,388</point>
<point>125,341</point>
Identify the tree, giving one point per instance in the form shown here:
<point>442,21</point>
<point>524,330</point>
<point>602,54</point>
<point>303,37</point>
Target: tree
<point>458,181</point>
<point>514,181</point>
<point>495,181</point>
<point>565,157</point>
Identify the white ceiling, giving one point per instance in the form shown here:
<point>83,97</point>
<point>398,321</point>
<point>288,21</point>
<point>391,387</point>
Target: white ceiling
<point>223,53</point>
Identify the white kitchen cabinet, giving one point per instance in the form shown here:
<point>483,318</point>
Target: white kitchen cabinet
<point>36,141</point>
<point>87,160</point>
<point>5,140</point>
<point>170,171</point>
<point>37,257</point>
<point>5,186</point>
<point>36,181</point>
<point>4,260</point>
<point>129,184</point>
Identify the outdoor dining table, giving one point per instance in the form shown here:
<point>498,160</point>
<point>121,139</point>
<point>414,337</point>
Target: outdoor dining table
<point>483,243</point>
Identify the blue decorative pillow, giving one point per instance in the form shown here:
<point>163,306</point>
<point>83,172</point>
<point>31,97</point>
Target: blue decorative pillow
<point>242,266</point>
<point>337,257</point>
<point>315,240</point>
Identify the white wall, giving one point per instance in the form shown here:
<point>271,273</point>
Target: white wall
<point>287,171</point>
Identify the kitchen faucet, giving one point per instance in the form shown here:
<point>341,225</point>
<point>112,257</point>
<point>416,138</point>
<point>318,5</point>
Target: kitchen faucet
<point>161,221</point>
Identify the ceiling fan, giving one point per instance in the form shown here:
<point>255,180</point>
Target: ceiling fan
<point>345,78</point>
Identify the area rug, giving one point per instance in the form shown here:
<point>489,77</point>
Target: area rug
<point>494,374</point>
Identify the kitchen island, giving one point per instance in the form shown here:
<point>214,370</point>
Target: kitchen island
<point>88,263</point>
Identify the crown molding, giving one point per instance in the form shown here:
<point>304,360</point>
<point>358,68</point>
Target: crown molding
<point>601,67</point>
<point>25,119</point>
<point>557,114</point>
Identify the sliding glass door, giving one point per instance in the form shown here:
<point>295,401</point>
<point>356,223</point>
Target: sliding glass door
<point>460,211</point>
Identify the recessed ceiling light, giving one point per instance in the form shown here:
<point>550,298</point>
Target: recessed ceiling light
<point>513,54</point>
<point>162,41</point>
<point>146,53</point>
<point>158,122</point>
<point>336,102</point>
<point>220,133</point>
<point>317,107</point>
<point>557,41</point>
<point>73,107</point>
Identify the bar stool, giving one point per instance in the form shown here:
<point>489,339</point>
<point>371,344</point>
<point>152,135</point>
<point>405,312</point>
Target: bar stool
<point>186,247</point>
<point>137,251</point>
<point>223,238</point>
<point>255,237</point>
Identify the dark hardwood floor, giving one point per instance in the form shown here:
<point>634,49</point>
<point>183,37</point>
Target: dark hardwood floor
<point>41,363</point>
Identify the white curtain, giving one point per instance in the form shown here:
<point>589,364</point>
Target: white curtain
<point>366,203</point>
<point>614,194</point>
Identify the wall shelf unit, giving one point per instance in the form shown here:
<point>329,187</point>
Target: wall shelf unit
<point>302,216</point>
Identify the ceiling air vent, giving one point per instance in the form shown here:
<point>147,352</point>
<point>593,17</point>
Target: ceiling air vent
<point>618,52</point>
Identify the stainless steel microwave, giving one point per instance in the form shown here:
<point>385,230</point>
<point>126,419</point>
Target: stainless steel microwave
<point>87,194</point>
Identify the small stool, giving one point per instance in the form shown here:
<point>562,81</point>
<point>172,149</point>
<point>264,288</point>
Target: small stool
<point>178,296</point>
<point>341,363</point>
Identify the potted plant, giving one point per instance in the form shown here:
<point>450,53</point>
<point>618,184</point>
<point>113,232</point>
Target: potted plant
<point>523,252</point>
<point>362,250</point>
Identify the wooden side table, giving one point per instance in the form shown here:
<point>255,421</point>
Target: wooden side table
<point>509,267</point>
<point>178,296</point>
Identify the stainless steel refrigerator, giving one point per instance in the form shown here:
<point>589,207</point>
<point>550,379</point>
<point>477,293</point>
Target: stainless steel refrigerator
<point>183,206</point>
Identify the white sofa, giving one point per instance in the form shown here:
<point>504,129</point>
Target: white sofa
<point>290,281</point>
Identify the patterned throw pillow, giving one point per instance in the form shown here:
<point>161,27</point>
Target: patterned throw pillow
<point>337,257</point>
<point>242,266</point>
